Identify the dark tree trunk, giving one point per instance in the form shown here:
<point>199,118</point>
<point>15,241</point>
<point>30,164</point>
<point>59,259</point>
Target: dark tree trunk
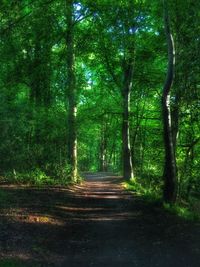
<point>71,92</point>
<point>126,153</point>
<point>103,148</point>
<point>169,175</point>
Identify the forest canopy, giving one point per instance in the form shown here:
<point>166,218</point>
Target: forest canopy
<point>101,86</point>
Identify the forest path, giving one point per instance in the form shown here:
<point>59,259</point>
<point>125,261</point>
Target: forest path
<point>95,224</point>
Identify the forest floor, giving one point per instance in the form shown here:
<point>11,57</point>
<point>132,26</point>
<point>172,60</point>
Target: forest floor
<point>94,224</point>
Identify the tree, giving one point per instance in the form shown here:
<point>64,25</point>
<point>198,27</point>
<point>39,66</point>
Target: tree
<point>117,53</point>
<point>71,92</point>
<point>170,177</point>
<point>92,72</point>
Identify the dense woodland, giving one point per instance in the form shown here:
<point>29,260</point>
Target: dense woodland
<point>101,86</point>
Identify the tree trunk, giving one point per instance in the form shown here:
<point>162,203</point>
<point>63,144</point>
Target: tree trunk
<point>126,153</point>
<point>103,147</point>
<point>169,175</point>
<point>71,92</point>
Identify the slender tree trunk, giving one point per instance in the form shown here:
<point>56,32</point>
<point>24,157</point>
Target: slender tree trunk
<point>126,153</point>
<point>169,175</point>
<point>103,146</point>
<point>71,92</point>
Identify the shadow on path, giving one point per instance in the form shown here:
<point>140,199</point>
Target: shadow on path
<point>95,224</point>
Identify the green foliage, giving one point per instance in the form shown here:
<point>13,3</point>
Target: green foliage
<point>17,263</point>
<point>58,171</point>
<point>33,90</point>
<point>36,177</point>
<point>4,197</point>
<point>39,178</point>
<point>183,211</point>
<point>187,210</point>
<point>143,187</point>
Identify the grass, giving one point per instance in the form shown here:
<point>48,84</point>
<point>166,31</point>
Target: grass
<point>4,197</point>
<point>149,193</point>
<point>153,195</point>
<point>11,263</point>
<point>39,178</point>
<point>185,212</point>
<point>16,263</point>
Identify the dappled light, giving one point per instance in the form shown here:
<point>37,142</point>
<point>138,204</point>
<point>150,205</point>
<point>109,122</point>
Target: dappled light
<point>93,218</point>
<point>99,133</point>
<point>37,219</point>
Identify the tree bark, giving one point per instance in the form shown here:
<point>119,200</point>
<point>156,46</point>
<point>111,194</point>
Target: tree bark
<point>126,153</point>
<point>103,148</point>
<point>71,91</point>
<point>169,175</point>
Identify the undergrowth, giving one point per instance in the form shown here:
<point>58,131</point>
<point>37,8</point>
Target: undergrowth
<point>4,198</point>
<point>16,263</point>
<point>39,177</point>
<point>189,210</point>
<point>151,193</point>
<point>181,211</point>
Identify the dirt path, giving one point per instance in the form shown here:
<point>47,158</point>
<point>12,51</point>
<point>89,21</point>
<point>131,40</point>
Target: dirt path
<point>93,224</point>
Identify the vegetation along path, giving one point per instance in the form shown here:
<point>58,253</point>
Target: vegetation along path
<point>96,223</point>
